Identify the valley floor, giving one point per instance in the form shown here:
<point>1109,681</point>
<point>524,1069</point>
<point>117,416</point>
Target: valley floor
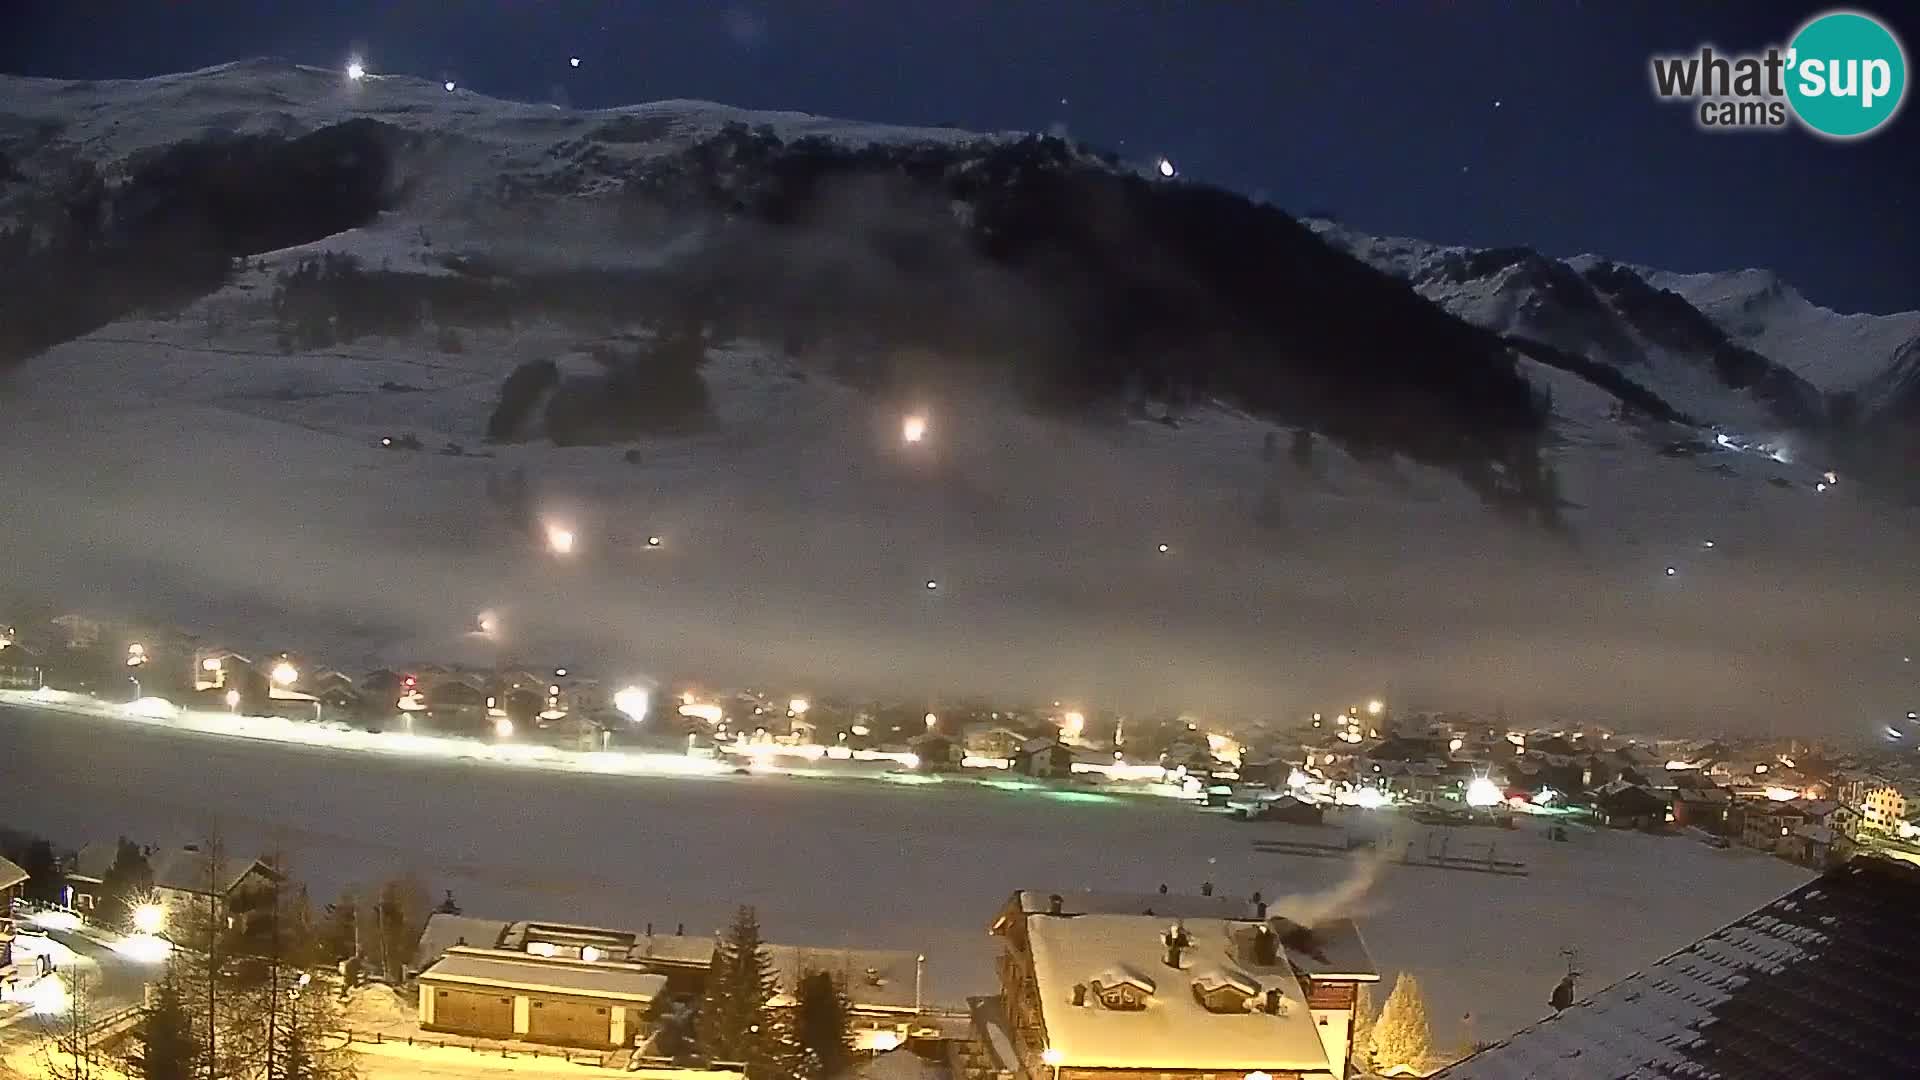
<point>870,864</point>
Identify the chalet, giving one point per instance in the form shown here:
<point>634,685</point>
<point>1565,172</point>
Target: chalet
<point>1843,820</point>
<point>1621,805</point>
<point>1045,757</point>
<point>1095,987</point>
<point>883,987</point>
<point>937,753</point>
<point>12,883</point>
<point>87,873</point>
<point>1817,846</point>
<point>188,880</point>
<point>1885,807</point>
<point>996,741</point>
<point>1807,986</point>
<point>1702,807</point>
<point>22,668</point>
<point>1765,825</point>
<point>456,704</point>
<point>216,669</point>
<point>503,994</point>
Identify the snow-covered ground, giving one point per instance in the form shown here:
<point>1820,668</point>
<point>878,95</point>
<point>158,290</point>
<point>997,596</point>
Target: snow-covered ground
<point>910,867</point>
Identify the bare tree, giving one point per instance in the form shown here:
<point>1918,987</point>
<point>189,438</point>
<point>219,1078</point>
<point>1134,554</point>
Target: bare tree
<point>71,1051</point>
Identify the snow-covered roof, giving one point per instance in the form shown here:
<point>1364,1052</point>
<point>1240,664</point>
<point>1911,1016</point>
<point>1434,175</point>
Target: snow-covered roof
<point>506,970</point>
<point>1172,905</point>
<point>186,870</point>
<point>10,874</point>
<point>443,932</point>
<point>1174,1030</point>
<point>1819,983</point>
<point>1331,949</point>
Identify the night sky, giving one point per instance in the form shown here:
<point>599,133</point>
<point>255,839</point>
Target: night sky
<point>1524,123</point>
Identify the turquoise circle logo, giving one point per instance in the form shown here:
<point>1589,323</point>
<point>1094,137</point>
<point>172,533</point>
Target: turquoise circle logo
<point>1847,74</point>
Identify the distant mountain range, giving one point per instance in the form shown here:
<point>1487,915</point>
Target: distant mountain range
<point>1079,278</point>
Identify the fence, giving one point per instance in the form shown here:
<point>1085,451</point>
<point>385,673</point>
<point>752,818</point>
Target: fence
<point>599,1058</point>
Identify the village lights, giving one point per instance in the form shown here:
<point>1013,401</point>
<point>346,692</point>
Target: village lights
<point>559,539</point>
<point>211,663</point>
<point>356,69</point>
<point>914,428</point>
<point>798,706</point>
<point>653,541</point>
<point>503,727</point>
<point>1164,549</point>
<point>1483,792</point>
<point>1376,707</point>
<point>932,584</point>
<point>233,699</point>
<point>489,623</point>
<point>633,701</point>
<point>1072,724</point>
<point>573,61</point>
<point>1166,168</point>
<point>149,918</point>
<point>285,673</point>
<point>136,654</point>
<point>449,85</point>
<point>931,720</point>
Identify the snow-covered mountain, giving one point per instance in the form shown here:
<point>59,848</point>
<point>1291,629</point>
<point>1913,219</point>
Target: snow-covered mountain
<point>1739,348</point>
<point>221,291</point>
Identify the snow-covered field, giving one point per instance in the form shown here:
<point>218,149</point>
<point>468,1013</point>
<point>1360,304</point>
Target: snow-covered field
<point>856,863</point>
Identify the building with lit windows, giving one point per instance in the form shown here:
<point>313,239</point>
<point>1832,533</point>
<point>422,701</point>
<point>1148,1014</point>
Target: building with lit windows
<point>1105,986</point>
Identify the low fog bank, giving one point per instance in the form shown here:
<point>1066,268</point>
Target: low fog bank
<point>798,554</point>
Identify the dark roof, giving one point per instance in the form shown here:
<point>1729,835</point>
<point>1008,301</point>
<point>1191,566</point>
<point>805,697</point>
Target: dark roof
<point>1823,982</point>
<point>185,870</point>
<point>1632,801</point>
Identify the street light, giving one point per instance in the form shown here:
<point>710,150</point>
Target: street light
<point>799,706</point>
<point>136,654</point>
<point>931,720</point>
<point>560,539</point>
<point>914,428</point>
<point>233,700</point>
<point>1376,707</point>
<point>356,70</point>
<point>149,918</point>
<point>285,673</point>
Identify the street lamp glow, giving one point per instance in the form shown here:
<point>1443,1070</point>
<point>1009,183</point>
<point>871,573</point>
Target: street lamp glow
<point>149,918</point>
<point>503,727</point>
<point>449,85</point>
<point>233,699</point>
<point>1483,792</point>
<point>931,720</point>
<point>1164,549</point>
<point>914,428</point>
<point>356,70</point>
<point>489,623</point>
<point>1376,707</point>
<point>932,584</point>
<point>1166,168</point>
<point>573,61</point>
<point>285,673</point>
<point>1072,724</point>
<point>653,541</point>
<point>559,539</point>
<point>799,706</point>
<point>633,701</point>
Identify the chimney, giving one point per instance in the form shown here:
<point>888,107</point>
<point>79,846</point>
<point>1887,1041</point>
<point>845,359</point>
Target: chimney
<point>1273,1001</point>
<point>1176,940</point>
<point>1079,994</point>
<point>1206,888</point>
<point>680,930</point>
<point>1055,904</point>
<point>1266,951</point>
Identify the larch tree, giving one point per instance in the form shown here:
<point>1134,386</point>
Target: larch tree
<point>1360,1050</point>
<point>1403,1035</point>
